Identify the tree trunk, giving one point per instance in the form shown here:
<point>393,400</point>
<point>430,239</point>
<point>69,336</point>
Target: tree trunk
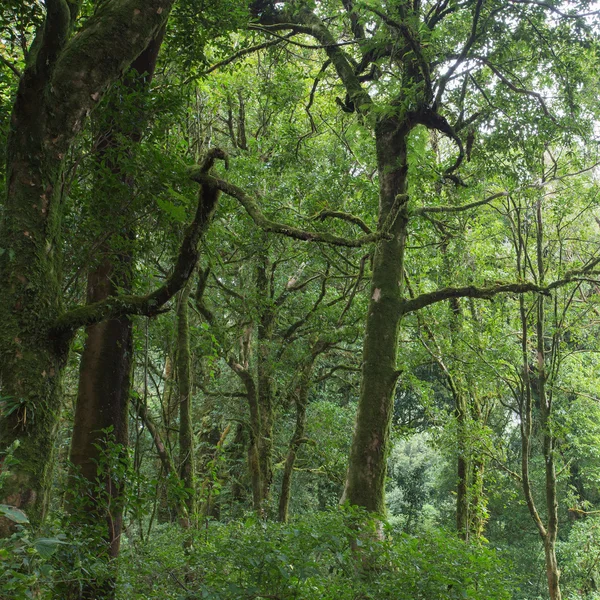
<point>255,429</point>
<point>186,433</point>
<point>552,571</point>
<point>365,483</point>
<point>461,413</point>
<point>104,376</point>
<point>265,377</point>
<point>61,84</point>
<point>301,400</point>
<point>478,512</point>
<point>462,487</point>
<point>101,414</point>
<point>545,400</point>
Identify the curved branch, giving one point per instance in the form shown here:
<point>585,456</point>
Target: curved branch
<point>297,29</point>
<point>336,214</point>
<point>10,65</point>
<point>555,10</point>
<point>117,306</point>
<point>272,226</point>
<point>308,23</point>
<point>239,54</point>
<point>413,44</point>
<point>433,120</point>
<point>488,293</point>
<point>429,298</point>
<point>496,71</point>
<point>457,209</point>
<point>443,82</point>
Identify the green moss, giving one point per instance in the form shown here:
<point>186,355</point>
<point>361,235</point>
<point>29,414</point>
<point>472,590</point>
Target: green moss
<point>365,485</point>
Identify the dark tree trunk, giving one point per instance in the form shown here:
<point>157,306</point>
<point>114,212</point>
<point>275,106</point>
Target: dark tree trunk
<point>300,395</point>
<point>462,485</point>
<point>62,82</point>
<point>102,410</point>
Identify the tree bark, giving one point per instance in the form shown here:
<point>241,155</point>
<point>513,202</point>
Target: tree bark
<point>186,433</point>
<point>104,376</point>
<point>255,428</point>
<point>365,483</point>
<point>63,81</point>
<point>265,375</point>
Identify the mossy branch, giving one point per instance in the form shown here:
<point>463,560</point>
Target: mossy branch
<point>266,224</point>
<point>151,304</point>
<point>427,210</point>
<point>96,57</point>
<point>336,214</point>
<point>487,293</point>
<point>305,21</point>
<point>55,33</point>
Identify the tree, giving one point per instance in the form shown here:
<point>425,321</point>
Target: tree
<point>425,86</point>
<point>65,77</point>
<point>102,409</point>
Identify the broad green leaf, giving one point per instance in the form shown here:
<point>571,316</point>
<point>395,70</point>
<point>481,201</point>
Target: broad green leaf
<point>46,547</point>
<point>13,514</point>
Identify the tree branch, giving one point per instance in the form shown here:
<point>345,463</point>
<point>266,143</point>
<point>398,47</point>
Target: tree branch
<point>487,293</point>
<point>461,57</point>
<point>555,10</point>
<point>117,306</point>
<point>308,23</point>
<point>427,210</point>
<point>239,54</point>
<point>10,65</point>
<point>512,86</point>
<point>272,226</point>
<point>429,298</point>
<point>336,214</point>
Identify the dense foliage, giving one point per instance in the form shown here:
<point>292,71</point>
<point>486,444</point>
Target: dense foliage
<point>299,300</point>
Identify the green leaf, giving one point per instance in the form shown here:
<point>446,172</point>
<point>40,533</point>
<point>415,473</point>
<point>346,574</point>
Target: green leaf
<point>177,213</point>
<point>13,514</point>
<point>46,547</point>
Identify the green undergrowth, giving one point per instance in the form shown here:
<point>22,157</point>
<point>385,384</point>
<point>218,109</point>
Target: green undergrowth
<point>322,556</point>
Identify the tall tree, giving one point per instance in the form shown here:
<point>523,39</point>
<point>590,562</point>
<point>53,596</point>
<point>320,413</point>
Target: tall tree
<point>102,409</point>
<point>426,84</point>
<point>65,77</point>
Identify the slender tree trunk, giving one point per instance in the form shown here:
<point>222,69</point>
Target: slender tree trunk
<point>186,433</point>
<point>462,488</point>
<point>545,398</point>
<point>548,532</point>
<point>236,453</point>
<point>255,429</point>
<point>478,512</point>
<point>462,415</point>
<point>301,400</point>
<point>164,456</point>
<point>265,377</point>
<point>62,82</point>
<point>365,483</point>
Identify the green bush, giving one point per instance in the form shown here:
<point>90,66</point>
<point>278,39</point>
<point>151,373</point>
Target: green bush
<point>323,556</point>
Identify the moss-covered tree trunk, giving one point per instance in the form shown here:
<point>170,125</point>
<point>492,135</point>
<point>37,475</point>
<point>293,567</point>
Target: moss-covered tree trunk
<point>265,376</point>
<point>63,81</point>
<point>254,469</point>
<point>478,511</point>
<point>365,482</point>
<point>186,432</point>
<point>462,472</point>
<point>104,376</point>
<point>461,414</point>
<point>300,395</point>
